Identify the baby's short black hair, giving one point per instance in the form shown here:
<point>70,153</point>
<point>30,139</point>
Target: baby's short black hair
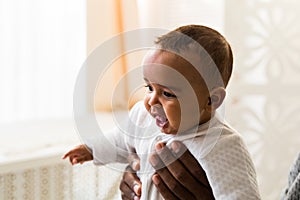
<point>209,39</point>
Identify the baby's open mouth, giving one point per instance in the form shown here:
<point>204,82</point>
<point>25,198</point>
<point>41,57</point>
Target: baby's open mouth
<point>161,121</point>
<point>159,115</point>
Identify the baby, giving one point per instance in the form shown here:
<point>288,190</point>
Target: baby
<point>186,77</point>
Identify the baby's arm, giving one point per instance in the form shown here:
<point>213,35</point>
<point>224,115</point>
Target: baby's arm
<point>79,154</point>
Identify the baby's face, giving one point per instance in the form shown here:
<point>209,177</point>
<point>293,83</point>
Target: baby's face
<point>176,94</point>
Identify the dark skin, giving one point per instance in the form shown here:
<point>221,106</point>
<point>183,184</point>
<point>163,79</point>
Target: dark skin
<point>183,178</point>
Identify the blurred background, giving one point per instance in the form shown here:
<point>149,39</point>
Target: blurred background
<point>43,45</point>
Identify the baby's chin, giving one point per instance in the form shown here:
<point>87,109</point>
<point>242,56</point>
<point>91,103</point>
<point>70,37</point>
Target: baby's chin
<point>168,131</point>
<point>181,130</point>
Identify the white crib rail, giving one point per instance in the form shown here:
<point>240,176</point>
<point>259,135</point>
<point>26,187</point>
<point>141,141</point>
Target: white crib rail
<point>49,177</point>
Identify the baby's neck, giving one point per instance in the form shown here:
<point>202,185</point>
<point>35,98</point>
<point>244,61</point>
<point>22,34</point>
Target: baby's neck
<point>206,118</point>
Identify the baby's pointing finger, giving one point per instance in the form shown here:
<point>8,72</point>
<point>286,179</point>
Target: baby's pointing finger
<point>66,155</point>
<point>72,152</point>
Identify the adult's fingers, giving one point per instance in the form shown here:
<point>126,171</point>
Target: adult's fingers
<point>172,174</point>
<point>184,176</point>
<point>189,162</point>
<point>134,161</point>
<point>163,188</point>
<point>126,191</point>
<point>182,173</point>
<point>130,184</point>
<point>201,188</point>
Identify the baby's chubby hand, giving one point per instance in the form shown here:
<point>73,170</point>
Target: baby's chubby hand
<point>79,154</point>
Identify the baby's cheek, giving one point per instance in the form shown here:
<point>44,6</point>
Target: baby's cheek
<point>147,106</point>
<point>174,115</point>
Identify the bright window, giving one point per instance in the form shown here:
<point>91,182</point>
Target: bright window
<point>43,44</point>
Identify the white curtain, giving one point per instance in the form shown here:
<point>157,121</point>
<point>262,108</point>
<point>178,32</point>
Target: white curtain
<point>42,46</point>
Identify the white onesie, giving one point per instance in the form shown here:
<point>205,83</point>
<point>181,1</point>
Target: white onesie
<point>218,148</point>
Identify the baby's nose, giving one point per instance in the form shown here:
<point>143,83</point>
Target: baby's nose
<point>153,99</point>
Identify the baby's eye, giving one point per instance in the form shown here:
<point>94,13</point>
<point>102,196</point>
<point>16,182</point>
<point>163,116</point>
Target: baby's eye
<point>167,94</point>
<point>149,88</point>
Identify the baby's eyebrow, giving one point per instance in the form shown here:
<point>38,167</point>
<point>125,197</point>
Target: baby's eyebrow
<point>174,89</point>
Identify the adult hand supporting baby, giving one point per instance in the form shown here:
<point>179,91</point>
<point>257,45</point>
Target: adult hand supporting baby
<point>131,185</point>
<point>182,179</point>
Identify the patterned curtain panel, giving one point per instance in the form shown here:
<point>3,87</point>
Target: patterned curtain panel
<point>264,102</point>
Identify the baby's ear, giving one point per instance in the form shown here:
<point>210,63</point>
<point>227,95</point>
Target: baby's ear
<point>217,96</point>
